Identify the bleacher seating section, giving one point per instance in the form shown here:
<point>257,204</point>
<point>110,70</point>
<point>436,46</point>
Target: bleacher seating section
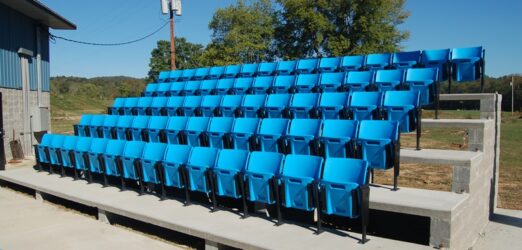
<point>301,134</point>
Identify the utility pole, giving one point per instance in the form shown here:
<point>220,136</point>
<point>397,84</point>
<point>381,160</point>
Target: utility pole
<point>512,94</point>
<point>172,41</point>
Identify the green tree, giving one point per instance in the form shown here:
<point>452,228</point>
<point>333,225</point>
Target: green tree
<point>188,55</point>
<point>241,33</point>
<point>309,28</point>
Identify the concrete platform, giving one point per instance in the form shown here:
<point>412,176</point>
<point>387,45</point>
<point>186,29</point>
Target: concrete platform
<point>227,228</point>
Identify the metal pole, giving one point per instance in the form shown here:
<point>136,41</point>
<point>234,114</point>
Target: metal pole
<point>512,94</point>
<point>172,41</point>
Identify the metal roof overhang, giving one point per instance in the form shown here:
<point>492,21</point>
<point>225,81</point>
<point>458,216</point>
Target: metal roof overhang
<point>40,13</point>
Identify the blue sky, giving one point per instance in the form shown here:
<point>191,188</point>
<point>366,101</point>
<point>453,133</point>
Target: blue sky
<point>496,25</point>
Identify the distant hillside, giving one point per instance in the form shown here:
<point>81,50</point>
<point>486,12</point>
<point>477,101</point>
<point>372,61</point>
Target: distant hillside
<point>73,96</point>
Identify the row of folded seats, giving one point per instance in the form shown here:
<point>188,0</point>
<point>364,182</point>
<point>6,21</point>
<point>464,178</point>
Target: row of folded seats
<point>423,79</point>
<point>374,141</point>
<point>463,64</point>
<point>332,186</point>
<point>402,106</point>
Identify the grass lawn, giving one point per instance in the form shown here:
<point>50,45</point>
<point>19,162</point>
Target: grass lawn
<point>67,111</point>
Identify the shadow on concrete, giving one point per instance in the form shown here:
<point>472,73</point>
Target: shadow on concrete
<point>507,220</point>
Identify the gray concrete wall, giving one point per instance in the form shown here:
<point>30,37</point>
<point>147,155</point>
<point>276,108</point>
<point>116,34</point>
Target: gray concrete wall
<point>13,114</point>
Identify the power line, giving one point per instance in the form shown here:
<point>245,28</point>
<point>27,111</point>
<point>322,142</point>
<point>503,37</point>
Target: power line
<point>109,44</point>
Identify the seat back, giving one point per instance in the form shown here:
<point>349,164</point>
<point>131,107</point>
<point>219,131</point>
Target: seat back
<point>249,69</point>
<point>220,125</point>
<point>209,103</point>
<point>304,127</point>
<point>334,99</point>
<point>349,63</point>
<point>366,99</point>
<point>131,102</point>
<point>340,129</point>
<point>133,149</point>
<point>159,102</point>
<point>150,89</point>
<point>140,122</point>
<point>401,99</point>
<point>154,151</point>
<point>470,54</point>
<point>406,59</point>
<point>124,121</point>
<point>302,166</point>
<point>69,143</point>
<point>359,80</point>
<point>304,100</point>
<point>187,74</point>
<point>389,79</point>
<point>175,75</point>
<point>48,138</point>
<point>242,84</point>
<point>273,126</point>
<point>265,162</point>
<point>232,71</point>
<point>206,86</point>
<point>378,61</point>
<point>97,120</point>
<point>306,82</point>
<point>158,122</point>
<point>422,75</point>
<point>85,120</point>
<point>177,154</point>
<point>262,84</point>
<point>164,76</point>
<point>115,147</point>
<point>231,159</point>
<point>275,103</point>
<point>197,124</point>
<point>191,87</point>
<point>330,82</point>
<point>163,88</point>
<point>435,57</point>
<point>144,102</point>
<point>57,140</point>
<point>174,102</point>
<point>378,130</point>
<point>96,145</point>
<point>245,126</point>
<point>283,83</point>
<point>307,66</point>
<point>286,67</point>
<point>192,102</point>
<point>216,72</point>
<point>266,68</point>
<point>224,85</point>
<point>329,64</point>
<point>119,102</point>
<point>176,123</point>
<point>230,103</point>
<point>201,73</point>
<point>254,101</point>
<point>345,170</point>
<point>202,157</point>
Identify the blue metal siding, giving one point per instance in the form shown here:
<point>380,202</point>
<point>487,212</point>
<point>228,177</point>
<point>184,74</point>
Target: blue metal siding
<point>18,31</point>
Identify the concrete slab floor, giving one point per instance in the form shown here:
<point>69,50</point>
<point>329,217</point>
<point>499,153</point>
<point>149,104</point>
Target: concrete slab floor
<point>26,223</point>
<point>503,232</point>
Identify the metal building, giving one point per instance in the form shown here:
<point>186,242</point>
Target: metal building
<point>24,70</point>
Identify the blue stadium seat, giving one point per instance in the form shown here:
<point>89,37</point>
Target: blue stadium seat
<point>331,82</point>
<point>158,106</point>
<point>81,152</point>
<point>199,165</point>
<point>219,131</point>
<point>339,138</point>
<point>305,83</point>
<point>132,153</point>
<point>352,63</point>
<point>150,162</point>
<point>307,66</point>
<point>175,75</point>
<point>209,104</point>
<point>156,129</point>
<point>377,61</point>
<point>242,131</point>
<point>467,63</point>
<point>298,177</point>
<point>176,88</point>
<point>95,127</point>
<point>230,164</point>
<point>266,68</point>
<point>283,84</point>
<point>303,105</point>
<point>112,157</point>
<point>333,105</point>
<point>191,87</point>
<point>379,145</point>
<point>424,80</point>
<point>270,135</point>
<point>164,76</point>
<point>365,105</point>
<point>176,156</point>
<point>276,105</point>
<point>358,81</point>
<point>195,131</point>
<point>164,88</point>
<point>191,105</point>
<point>405,60</point>
<point>262,84</point>
<point>67,151</point>
<point>109,126</point>
<point>439,59</point>
<point>248,70</point>
<point>143,106</point>
<point>229,105</point>
<point>301,136</point>
<point>117,106</point>
<point>232,71</point>
<point>41,149</point>
<point>207,87</point>
<point>251,104</point>
<point>224,86</point>
<point>130,105</point>
<point>329,64</point>
<point>54,149</point>
<point>123,126</point>
<point>201,73</point>
<point>139,127</point>
<point>174,126</point>
<point>242,85</point>
<point>391,79</point>
<point>174,104</point>
<point>82,128</point>
<point>286,67</point>
<point>261,177</point>
<point>150,90</point>
<point>216,72</point>
<point>402,106</point>
<point>344,190</point>
<point>187,75</point>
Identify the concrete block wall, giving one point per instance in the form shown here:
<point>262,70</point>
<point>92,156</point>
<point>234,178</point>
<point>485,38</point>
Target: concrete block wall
<point>13,114</point>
